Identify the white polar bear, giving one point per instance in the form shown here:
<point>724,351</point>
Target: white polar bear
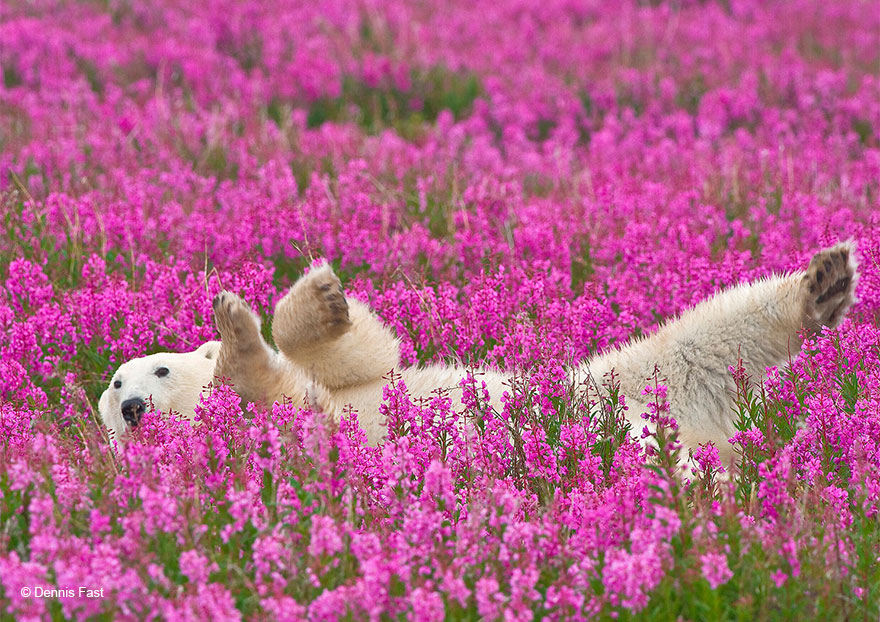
<point>334,353</point>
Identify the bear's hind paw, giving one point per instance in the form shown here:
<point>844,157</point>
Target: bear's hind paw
<point>829,284</point>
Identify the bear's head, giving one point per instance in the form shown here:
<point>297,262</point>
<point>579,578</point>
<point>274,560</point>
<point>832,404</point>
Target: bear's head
<point>172,382</point>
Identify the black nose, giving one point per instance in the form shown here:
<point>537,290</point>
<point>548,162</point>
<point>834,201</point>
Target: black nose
<point>133,410</point>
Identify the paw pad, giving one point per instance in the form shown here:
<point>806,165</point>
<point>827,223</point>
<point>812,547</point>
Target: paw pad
<point>830,281</point>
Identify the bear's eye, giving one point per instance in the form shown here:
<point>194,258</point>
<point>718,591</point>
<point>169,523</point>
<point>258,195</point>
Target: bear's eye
<point>117,384</point>
<point>162,372</point>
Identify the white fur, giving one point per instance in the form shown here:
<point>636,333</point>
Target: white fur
<point>335,353</point>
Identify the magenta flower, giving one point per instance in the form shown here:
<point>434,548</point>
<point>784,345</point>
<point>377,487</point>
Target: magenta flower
<point>715,569</point>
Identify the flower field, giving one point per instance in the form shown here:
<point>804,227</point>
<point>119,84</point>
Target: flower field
<point>515,184</point>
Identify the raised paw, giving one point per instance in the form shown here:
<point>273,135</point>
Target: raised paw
<point>238,325</point>
<point>330,303</point>
<point>828,286</point>
<point>313,311</point>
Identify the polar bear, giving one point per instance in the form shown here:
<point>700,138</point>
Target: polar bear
<point>335,353</point>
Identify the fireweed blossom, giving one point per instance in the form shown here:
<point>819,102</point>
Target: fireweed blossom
<point>521,196</point>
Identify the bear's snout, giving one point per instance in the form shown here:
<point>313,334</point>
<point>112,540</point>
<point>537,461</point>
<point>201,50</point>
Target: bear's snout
<point>132,411</point>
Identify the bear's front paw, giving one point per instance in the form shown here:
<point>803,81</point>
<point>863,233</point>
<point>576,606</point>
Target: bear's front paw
<point>330,304</point>
<point>238,325</point>
<point>313,312</point>
<point>829,284</point>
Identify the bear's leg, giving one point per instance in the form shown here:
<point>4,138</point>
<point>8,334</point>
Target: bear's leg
<point>255,370</point>
<point>337,342</point>
<point>757,323</point>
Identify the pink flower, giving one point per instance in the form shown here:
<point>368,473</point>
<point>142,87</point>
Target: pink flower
<point>325,538</point>
<point>715,569</point>
<point>427,606</point>
<point>708,458</point>
<point>489,599</point>
<point>196,567</point>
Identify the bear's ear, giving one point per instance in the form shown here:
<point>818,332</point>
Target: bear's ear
<point>209,350</point>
